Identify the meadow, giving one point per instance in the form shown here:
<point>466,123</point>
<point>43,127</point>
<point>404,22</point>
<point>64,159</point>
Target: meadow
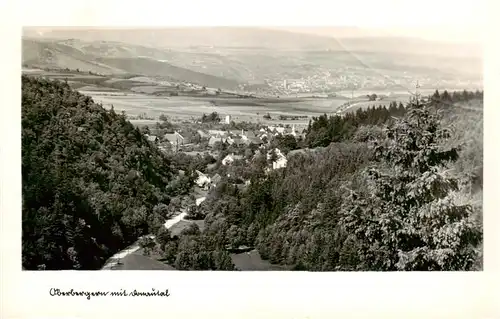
<point>185,108</point>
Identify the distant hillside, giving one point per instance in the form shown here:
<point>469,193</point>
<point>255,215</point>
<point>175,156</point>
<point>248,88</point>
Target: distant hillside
<point>152,67</point>
<point>113,58</point>
<point>61,55</point>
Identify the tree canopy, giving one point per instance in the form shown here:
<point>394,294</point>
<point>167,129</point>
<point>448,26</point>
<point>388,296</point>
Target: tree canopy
<point>90,180</point>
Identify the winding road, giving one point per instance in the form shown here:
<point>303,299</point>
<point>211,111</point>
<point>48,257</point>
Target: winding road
<point>114,260</point>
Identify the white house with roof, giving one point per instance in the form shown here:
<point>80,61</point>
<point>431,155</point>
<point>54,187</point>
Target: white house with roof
<point>228,160</point>
<point>280,130</point>
<point>175,139</point>
<point>200,200</point>
<point>280,161</point>
<point>264,135</point>
<point>202,180</point>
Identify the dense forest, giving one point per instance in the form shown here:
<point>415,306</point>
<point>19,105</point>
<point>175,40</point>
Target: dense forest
<point>92,183</point>
<point>390,195</point>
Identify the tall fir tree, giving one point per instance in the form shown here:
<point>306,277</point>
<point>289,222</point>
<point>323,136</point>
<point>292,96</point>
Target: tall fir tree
<point>409,218</point>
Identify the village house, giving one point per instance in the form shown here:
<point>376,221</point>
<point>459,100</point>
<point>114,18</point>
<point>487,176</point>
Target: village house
<point>203,134</point>
<point>221,139</point>
<point>280,130</point>
<point>248,134</point>
<point>238,141</point>
<point>229,159</point>
<point>280,161</point>
<point>245,138</point>
<point>200,200</point>
<point>264,136</point>
<point>175,139</point>
<point>203,180</point>
<point>152,138</point>
<point>275,130</point>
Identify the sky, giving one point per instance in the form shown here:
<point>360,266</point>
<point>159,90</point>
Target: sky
<point>435,33</point>
<point>430,19</point>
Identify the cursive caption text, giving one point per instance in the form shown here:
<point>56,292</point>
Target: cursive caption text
<point>55,292</point>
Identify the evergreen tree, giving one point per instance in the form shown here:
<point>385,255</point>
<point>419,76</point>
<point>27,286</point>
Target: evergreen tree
<point>436,97</point>
<point>411,221</point>
<point>446,97</point>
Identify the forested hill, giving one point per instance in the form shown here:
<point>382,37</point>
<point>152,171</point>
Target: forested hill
<point>91,182</point>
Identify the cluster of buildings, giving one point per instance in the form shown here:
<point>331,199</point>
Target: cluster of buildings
<point>231,137</point>
<point>276,159</point>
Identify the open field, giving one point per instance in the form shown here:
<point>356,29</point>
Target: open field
<point>252,109</point>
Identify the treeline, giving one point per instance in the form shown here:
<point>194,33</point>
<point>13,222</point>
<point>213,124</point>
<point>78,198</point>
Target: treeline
<point>389,205</point>
<point>292,117</point>
<point>91,182</point>
<point>447,99</point>
<point>193,250</point>
<point>325,129</point>
<point>210,118</point>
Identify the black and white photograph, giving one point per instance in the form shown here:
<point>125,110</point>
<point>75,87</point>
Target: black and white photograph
<point>318,149</point>
<point>277,159</point>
